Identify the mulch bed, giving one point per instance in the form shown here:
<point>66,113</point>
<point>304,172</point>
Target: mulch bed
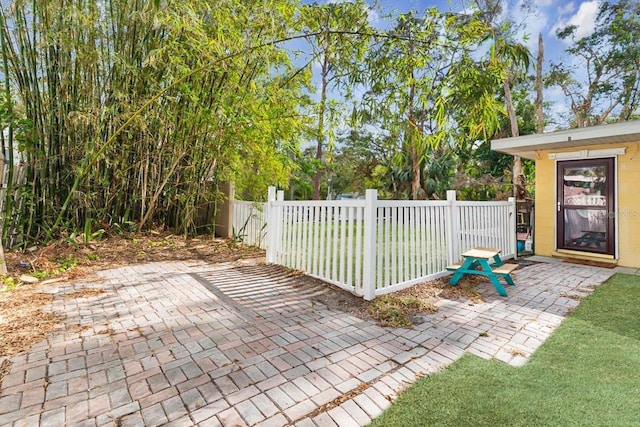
<point>25,318</point>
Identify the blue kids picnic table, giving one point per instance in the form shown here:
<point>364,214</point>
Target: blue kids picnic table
<point>477,261</point>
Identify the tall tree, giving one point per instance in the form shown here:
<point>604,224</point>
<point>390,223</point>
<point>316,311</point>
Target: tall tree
<point>538,86</point>
<point>514,59</point>
<point>610,57</point>
<point>338,38</point>
<point>424,84</point>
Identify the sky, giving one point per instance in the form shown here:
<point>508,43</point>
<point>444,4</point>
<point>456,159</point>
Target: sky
<point>543,17</point>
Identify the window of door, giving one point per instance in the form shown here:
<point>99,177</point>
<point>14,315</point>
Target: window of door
<point>585,206</point>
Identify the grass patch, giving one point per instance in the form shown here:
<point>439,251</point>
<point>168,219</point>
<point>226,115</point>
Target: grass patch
<point>396,311</point>
<point>586,374</point>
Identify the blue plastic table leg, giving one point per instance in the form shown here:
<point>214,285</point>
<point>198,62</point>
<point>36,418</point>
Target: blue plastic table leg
<point>497,260</point>
<point>509,279</point>
<point>466,265</point>
<point>496,284</point>
<point>493,277</point>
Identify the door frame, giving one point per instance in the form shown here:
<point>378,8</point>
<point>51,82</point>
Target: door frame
<point>612,225</point>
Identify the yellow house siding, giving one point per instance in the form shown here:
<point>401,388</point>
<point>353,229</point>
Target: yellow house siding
<point>628,206</point>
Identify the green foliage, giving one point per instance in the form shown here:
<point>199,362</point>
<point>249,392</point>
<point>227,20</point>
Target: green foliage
<point>158,243</point>
<point>90,235</point>
<point>130,113</point>
<point>363,160</point>
<point>137,109</point>
<point>339,39</point>
<point>426,85</point>
<point>609,56</point>
<point>8,284</point>
<point>67,262</point>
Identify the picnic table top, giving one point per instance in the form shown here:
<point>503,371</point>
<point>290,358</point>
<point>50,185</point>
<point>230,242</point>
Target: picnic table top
<point>483,253</point>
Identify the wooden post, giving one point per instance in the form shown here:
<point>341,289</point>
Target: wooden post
<point>513,239</point>
<point>224,211</point>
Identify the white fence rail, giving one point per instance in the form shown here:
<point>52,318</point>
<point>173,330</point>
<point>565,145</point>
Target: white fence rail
<point>372,247</point>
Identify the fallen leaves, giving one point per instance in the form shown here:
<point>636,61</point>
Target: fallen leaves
<point>397,310</point>
<point>441,289</point>
<point>24,319</point>
<point>339,400</point>
<point>85,293</point>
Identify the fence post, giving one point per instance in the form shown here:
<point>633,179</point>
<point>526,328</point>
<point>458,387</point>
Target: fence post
<point>224,211</point>
<point>453,227</point>
<point>278,226</point>
<point>369,245</point>
<point>271,226</point>
<point>513,240</point>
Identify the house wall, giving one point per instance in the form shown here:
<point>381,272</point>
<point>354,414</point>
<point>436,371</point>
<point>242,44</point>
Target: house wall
<point>628,209</point>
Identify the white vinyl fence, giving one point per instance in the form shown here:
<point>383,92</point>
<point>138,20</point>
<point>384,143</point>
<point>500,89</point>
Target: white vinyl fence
<point>372,247</point>
<point>249,223</point>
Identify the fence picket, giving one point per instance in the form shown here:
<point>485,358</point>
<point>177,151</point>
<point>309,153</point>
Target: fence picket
<point>350,258</point>
<point>358,253</point>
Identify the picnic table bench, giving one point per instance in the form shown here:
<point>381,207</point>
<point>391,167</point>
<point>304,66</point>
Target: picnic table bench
<point>480,258</point>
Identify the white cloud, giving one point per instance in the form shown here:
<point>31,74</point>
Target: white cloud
<point>584,20</point>
<point>558,110</point>
<point>373,17</point>
<point>530,22</point>
<point>566,9</point>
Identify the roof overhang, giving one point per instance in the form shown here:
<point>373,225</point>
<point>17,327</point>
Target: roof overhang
<point>527,146</point>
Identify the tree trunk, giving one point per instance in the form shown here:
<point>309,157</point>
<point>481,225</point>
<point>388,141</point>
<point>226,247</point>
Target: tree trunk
<point>416,183</point>
<point>413,147</point>
<point>3,263</point>
<point>519,190</point>
<point>320,131</point>
<point>539,111</point>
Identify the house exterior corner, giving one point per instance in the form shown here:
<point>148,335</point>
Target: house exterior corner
<point>625,211</point>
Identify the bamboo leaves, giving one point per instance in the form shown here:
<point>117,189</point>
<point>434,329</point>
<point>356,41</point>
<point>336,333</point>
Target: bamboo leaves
<point>137,111</point>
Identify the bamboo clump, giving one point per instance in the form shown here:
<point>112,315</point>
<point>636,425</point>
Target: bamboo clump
<point>129,113</point>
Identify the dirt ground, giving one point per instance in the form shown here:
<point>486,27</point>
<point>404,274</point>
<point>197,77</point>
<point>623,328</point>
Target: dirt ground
<point>26,317</point>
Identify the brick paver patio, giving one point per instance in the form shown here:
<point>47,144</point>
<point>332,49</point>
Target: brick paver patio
<point>242,344</point>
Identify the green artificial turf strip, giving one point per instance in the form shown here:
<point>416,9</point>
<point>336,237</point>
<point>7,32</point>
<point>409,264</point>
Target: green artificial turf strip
<point>586,374</point>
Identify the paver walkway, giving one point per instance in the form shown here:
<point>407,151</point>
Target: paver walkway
<point>242,344</point>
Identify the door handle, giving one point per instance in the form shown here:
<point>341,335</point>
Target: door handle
<point>558,206</point>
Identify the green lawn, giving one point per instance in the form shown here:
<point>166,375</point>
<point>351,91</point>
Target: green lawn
<point>586,374</point>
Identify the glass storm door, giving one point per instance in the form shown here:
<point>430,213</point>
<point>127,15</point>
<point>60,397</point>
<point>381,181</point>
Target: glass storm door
<point>585,206</point>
